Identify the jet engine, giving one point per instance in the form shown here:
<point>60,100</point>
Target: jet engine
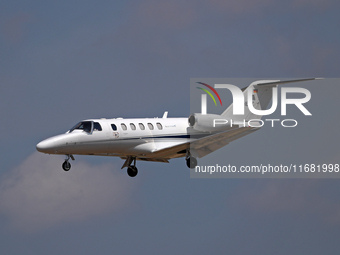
<point>209,122</point>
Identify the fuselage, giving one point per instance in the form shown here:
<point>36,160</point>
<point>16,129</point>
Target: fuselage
<point>120,137</point>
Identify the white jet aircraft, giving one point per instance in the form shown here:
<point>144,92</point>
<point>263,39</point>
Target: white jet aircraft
<point>159,139</point>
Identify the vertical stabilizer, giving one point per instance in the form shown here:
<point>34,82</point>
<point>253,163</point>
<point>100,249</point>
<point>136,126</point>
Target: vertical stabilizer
<point>260,98</point>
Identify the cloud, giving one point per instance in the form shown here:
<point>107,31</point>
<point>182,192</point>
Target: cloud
<point>38,194</point>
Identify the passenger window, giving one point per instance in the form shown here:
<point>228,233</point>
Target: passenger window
<point>159,125</point>
<point>114,127</point>
<point>97,126</point>
<point>123,126</point>
<point>132,126</point>
<point>150,126</point>
<point>141,126</point>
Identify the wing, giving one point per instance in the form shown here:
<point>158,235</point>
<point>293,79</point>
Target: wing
<point>203,146</point>
<point>212,143</point>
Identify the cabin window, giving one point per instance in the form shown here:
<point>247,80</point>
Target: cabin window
<point>114,127</point>
<point>123,126</point>
<point>150,126</point>
<point>97,126</point>
<point>132,126</point>
<point>159,126</point>
<point>141,126</point>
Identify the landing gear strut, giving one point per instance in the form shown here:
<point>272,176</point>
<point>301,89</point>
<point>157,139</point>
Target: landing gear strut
<point>67,165</point>
<point>132,170</point>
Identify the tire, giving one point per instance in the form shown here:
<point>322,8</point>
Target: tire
<point>191,162</point>
<point>132,171</point>
<point>66,166</point>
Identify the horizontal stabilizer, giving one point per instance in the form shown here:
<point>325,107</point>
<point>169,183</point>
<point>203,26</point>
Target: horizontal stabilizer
<point>272,83</point>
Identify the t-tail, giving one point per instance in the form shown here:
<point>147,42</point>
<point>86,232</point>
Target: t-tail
<point>258,96</point>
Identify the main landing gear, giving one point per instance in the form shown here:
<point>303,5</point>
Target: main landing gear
<point>132,170</point>
<point>67,165</point>
<point>191,162</point>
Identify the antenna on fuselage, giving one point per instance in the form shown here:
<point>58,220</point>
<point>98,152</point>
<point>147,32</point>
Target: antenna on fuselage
<point>165,115</point>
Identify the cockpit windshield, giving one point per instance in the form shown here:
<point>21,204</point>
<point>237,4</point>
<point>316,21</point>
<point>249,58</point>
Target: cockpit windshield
<point>86,126</point>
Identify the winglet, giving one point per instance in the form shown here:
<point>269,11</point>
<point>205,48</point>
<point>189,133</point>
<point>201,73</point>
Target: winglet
<point>165,115</point>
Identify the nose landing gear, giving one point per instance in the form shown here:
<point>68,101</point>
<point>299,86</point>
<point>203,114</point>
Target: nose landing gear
<point>67,165</point>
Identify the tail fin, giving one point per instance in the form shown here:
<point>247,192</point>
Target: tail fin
<point>261,96</point>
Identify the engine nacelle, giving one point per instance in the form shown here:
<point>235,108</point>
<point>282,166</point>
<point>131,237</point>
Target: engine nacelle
<point>208,122</point>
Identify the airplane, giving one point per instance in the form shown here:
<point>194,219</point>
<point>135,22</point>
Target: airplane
<point>159,139</point>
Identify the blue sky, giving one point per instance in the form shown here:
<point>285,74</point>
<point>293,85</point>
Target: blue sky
<point>65,61</point>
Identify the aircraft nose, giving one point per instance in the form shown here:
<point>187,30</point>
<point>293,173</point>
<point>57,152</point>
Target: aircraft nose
<point>46,146</point>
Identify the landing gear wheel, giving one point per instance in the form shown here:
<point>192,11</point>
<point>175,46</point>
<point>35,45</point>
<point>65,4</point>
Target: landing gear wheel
<point>132,171</point>
<point>66,166</point>
<point>191,162</point>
